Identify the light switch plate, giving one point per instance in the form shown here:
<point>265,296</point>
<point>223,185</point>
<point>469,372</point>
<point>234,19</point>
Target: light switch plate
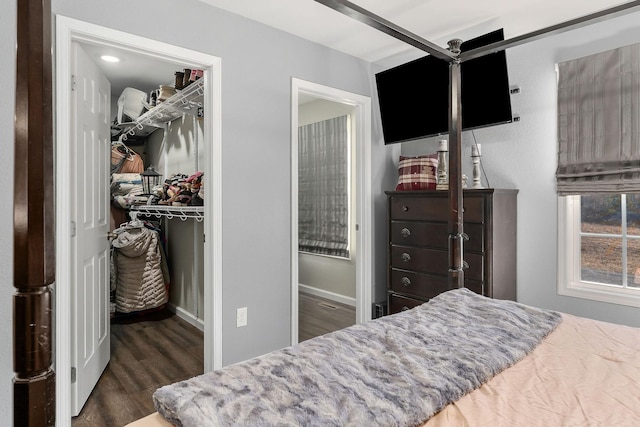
<point>241,317</point>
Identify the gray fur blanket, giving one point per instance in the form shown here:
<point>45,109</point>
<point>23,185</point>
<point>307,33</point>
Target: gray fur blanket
<point>398,370</point>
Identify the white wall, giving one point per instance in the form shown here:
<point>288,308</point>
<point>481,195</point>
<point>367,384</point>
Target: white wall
<point>523,155</point>
<point>179,149</point>
<point>181,145</point>
<point>186,265</point>
<point>331,274</point>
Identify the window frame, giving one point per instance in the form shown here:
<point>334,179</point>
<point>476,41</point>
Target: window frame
<point>569,251</point>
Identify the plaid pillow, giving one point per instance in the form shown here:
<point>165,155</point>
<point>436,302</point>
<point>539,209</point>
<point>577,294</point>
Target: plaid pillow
<point>417,173</point>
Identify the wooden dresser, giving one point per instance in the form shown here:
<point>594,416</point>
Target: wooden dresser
<point>418,258</point>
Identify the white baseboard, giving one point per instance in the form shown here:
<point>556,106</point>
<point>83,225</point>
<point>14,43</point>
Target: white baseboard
<point>326,294</point>
<point>186,316</point>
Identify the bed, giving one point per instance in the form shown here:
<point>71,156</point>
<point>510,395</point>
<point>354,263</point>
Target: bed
<point>460,359</point>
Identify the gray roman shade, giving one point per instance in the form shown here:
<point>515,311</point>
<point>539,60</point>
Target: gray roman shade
<point>323,187</point>
<point>599,123</point>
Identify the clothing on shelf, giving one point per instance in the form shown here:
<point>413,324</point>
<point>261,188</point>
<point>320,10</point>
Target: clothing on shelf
<point>123,161</point>
<point>180,190</point>
<point>125,188</point>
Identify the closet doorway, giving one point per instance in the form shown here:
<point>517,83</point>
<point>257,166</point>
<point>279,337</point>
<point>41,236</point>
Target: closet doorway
<point>358,267</point>
<point>69,34</point>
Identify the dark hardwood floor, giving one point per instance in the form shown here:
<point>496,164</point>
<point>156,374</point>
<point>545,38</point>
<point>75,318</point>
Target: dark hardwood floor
<point>159,349</point>
<point>318,316</point>
<point>145,354</point>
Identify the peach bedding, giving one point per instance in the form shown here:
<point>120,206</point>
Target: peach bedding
<point>585,373</point>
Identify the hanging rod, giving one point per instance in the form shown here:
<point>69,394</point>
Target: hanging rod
<point>181,212</point>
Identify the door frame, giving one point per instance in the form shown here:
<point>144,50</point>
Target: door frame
<point>69,30</point>
<point>364,206</point>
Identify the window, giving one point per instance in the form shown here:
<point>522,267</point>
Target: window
<point>598,176</point>
<point>599,247</point>
<point>324,187</point>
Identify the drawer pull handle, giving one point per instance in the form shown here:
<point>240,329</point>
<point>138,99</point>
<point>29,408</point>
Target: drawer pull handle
<point>404,308</point>
<point>405,232</point>
<point>405,281</point>
<point>405,257</point>
<point>405,208</point>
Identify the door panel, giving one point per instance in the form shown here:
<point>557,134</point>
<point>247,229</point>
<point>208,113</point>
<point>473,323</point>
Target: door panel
<point>90,147</point>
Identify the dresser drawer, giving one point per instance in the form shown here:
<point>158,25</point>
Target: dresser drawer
<point>398,303</point>
<point>417,284</point>
<point>433,208</point>
<point>435,261</point>
<point>425,286</point>
<point>434,234</point>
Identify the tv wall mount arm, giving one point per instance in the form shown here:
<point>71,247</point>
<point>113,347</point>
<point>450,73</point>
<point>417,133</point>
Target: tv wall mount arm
<point>454,57</point>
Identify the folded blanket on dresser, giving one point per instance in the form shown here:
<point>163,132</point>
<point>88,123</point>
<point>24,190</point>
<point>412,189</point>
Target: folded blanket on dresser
<point>398,370</point>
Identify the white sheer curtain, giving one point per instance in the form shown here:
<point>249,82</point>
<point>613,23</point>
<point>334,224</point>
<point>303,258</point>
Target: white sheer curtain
<point>599,123</point>
<point>323,187</point>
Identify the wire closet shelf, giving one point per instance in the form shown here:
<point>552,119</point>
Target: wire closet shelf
<point>186,101</point>
<point>180,212</point>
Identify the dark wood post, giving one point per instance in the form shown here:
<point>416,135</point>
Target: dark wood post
<point>456,232</point>
<point>33,219</point>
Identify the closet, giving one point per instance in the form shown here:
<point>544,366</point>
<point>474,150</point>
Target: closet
<point>166,136</point>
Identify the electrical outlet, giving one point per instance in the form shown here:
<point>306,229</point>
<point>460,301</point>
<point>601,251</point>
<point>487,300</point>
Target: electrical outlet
<point>241,317</point>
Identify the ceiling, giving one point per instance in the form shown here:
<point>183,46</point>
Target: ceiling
<point>435,20</point>
<point>133,70</point>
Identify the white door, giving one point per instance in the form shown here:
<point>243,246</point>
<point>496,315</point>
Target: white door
<point>90,151</point>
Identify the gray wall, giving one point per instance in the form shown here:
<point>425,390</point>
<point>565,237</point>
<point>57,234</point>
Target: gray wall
<point>258,63</point>
<point>523,155</point>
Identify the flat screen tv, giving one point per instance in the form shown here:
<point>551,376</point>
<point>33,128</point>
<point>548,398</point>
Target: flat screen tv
<point>414,97</point>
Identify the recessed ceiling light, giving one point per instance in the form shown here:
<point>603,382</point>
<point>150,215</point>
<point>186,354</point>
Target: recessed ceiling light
<point>109,58</point>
